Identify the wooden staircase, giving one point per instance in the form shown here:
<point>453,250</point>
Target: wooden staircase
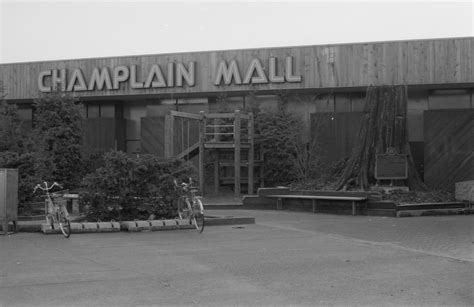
<point>220,135</point>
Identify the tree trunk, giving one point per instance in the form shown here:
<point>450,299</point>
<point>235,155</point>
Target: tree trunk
<point>383,126</point>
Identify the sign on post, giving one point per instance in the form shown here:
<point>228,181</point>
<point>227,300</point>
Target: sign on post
<point>391,166</point>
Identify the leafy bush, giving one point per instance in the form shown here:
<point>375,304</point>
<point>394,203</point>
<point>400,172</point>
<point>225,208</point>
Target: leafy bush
<point>129,187</point>
<point>58,138</point>
<point>287,157</point>
<point>11,137</point>
<point>433,196</point>
<point>50,151</point>
<point>16,151</point>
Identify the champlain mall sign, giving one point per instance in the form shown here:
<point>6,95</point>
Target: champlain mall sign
<point>173,74</point>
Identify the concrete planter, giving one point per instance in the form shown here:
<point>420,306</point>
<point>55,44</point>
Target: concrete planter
<point>135,226</point>
<point>83,227</point>
<point>184,224</point>
<point>155,225</point>
<point>428,209</point>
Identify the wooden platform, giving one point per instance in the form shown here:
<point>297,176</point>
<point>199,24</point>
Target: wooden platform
<point>335,202</point>
<point>314,200</point>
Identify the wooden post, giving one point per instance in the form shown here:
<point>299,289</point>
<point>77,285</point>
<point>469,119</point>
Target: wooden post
<point>189,132</point>
<point>202,139</point>
<point>182,135</point>
<point>251,155</point>
<point>169,136</point>
<point>216,172</point>
<point>237,153</point>
<point>216,130</point>
<point>261,168</point>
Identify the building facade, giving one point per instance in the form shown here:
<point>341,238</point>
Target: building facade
<point>125,97</point>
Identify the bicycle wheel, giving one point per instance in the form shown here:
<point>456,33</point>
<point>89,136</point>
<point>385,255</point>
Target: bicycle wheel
<point>198,214</point>
<point>64,222</point>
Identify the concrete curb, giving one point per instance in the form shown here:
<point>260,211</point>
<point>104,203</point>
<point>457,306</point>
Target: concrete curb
<point>81,227</point>
<point>429,209</point>
<point>224,206</point>
<point>371,208</point>
<point>133,226</point>
<point>228,220</point>
<point>431,212</point>
<point>155,225</point>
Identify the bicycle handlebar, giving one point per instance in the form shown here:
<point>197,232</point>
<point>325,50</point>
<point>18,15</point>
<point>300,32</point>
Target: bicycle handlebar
<point>184,185</point>
<point>46,188</point>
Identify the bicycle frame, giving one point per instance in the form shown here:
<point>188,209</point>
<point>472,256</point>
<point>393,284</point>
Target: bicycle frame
<point>195,208</point>
<point>56,213</point>
<point>51,209</point>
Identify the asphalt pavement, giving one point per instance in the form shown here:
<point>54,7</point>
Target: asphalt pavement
<point>284,259</point>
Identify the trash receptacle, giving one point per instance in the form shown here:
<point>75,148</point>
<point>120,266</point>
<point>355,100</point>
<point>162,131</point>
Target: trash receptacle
<point>8,198</point>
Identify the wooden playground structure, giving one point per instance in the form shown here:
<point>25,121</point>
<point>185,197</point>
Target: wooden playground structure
<point>225,138</point>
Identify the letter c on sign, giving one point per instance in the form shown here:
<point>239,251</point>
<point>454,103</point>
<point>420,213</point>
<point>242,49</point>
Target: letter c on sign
<point>42,75</point>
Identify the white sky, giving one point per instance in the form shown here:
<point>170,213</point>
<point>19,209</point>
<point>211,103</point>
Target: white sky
<point>52,30</point>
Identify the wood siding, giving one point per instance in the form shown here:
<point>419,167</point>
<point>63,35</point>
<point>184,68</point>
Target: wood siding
<point>186,133</point>
<point>104,134</point>
<point>418,62</point>
<point>152,135</point>
<point>337,133</point>
<point>449,147</point>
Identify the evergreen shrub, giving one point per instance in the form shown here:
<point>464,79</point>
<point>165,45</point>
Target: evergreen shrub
<point>278,134</point>
<point>58,139</point>
<point>133,187</point>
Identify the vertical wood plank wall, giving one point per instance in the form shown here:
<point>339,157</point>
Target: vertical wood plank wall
<point>449,147</point>
<point>416,62</point>
<point>186,133</point>
<point>152,135</point>
<point>336,134</point>
<point>104,134</point>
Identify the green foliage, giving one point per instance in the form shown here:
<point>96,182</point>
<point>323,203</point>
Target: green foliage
<point>308,158</point>
<point>289,157</point>
<point>58,134</point>
<point>133,187</point>
<point>10,127</point>
<point>278,133</point>
<point>91,160</point>
<point>16,150</point>
<point>51,151</point>
<point>428,196</point>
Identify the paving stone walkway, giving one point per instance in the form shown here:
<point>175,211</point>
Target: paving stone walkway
<point>451,236</point>
<point>285,258</point>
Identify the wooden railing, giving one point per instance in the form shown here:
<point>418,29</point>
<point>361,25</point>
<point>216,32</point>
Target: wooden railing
<point>215,131</point>
<point>226,133</point>
<point>178,140</point>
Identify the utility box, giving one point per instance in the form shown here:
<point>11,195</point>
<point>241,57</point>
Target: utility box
<point>8,198</point>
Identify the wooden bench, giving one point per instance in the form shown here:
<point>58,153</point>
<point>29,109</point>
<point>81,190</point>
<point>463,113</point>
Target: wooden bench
<point>315,198</point>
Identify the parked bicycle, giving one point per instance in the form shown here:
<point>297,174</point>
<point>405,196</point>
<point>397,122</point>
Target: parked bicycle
<point>56,211</point>
<point>190,205</point>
